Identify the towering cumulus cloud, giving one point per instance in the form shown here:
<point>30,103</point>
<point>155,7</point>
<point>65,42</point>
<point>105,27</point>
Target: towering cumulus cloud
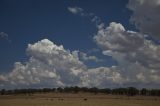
<point>49,65</point>
<point>146,15</point>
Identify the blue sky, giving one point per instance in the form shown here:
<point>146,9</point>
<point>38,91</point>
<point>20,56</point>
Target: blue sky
<point>27,22</point>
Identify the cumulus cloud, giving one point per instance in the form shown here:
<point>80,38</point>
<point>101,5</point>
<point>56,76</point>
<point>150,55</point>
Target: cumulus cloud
<point>49,65</point>
<point>102,77</point>
<point>146,15</point>
<point>137,57</point>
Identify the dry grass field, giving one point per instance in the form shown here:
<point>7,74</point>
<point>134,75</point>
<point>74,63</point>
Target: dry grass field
<point>80,99</point>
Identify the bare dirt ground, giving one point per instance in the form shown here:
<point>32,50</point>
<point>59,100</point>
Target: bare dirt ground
<point>80,99</point>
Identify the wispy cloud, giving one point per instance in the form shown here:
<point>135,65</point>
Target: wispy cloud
<point>5,36</point>
<point>86,57</point>
<point>79,11</point>
<point>76,10</point>
<point>93,50</point>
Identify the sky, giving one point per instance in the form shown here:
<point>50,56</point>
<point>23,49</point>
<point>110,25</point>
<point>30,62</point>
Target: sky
<point>91,43</point>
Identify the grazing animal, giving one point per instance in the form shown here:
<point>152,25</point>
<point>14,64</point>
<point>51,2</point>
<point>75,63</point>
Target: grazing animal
<point>85,99</point>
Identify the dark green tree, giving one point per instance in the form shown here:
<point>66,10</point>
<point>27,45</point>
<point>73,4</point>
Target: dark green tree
<point>143,91</point>
<point>132,91</point>
<point>3,92</point>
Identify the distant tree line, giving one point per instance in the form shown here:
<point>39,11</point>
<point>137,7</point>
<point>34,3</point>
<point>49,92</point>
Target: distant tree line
<point>130,91</point>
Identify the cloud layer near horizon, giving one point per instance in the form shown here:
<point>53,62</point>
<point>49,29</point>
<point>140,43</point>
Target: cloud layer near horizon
<point>49,65</point>
<point>52,66</point>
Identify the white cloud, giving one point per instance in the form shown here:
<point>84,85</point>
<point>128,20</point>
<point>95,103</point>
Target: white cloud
<point>79,11</point>
<point>76,10</point>
<point>2,78</point>
<point>3,35</point>
<point>102,77</point>
<point>135,55</point>
<point>49,65</point>
<point>146,15</point>
<point>86,57</point>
